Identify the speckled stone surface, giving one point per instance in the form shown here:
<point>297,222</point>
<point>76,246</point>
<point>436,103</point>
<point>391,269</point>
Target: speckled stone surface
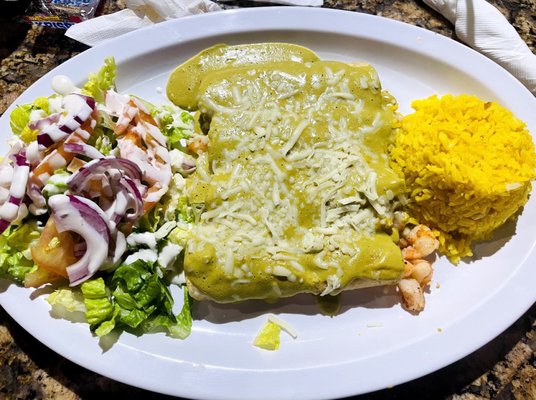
<point>503,369</point>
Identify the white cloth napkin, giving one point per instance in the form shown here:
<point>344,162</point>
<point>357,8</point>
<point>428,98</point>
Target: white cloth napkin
<point>140,13</point>
<point>485,29</point>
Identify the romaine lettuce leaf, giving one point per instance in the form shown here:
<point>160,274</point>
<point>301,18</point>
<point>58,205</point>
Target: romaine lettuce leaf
<point>97,300</point>
<point>179,327</point>
<point>20,117</point>
<point>69,299</point>
<point>173,206</point>
<point>269,337</point>
<point>134,297</point>
<point>98,83</point>
<point>15,258</point>
<point>57,183</point>
<point>68,303</point>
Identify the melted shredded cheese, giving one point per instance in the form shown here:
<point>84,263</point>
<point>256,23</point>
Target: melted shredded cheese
<point>291,172</point>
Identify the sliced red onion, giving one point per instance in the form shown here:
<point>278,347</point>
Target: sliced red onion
<point>119,206</point>
<point>83,149</point>
<point>79,109</point>
<point>40,124</point>
<point>33,154</point>
<point>9,211</point>
<point>55,159</point>
<point>90,101</point>
<point>121,190</point>
<point>14,200</point>
<point>6,173</point>
<point>20,159</point>
<point>38,206</point>
<point>136,195</point>
<point>82,216</point>
<point>80,249</point>
<point>79,179</point>
<point>128,203</point>
<point>45,141</point>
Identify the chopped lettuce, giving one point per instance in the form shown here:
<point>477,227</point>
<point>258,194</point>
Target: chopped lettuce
<point>42,103</point>
<point>68,303</point>
<point>103,137</point>
<point>98,83</point>
<point>28,135</point>
<point>175,123</point>
<point>173,206</point>
<point>20,117</point>
<point>134,297</point>
<point>69,299</point>
<point>269,337</point>
<point>57,183</point>
<point>15,257</point>
<point>101,313</point>
<point>179,327</point>
<point>104,144</point>
<point>179,235</point>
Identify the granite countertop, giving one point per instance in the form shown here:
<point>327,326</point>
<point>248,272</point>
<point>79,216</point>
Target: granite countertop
<point>505,368</point>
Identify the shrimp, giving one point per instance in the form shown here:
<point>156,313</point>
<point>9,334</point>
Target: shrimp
<point>416,276</point>
<point>422,242</point>
<point>412,294</point>
<point>420,270</point>
<point>418,243</point>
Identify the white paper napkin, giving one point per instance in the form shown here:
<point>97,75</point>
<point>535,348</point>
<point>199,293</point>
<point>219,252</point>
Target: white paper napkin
<point>140,13</point>
<point>136,15</point>
<point>485,29</point>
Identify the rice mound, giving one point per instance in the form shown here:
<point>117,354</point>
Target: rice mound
<point>468,166</point>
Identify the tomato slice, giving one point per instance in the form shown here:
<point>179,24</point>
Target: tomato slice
<point>54,251</point>
<point>39,277</point>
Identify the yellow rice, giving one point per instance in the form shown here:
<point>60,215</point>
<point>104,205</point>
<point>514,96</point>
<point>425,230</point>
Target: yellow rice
<point>468,166</point>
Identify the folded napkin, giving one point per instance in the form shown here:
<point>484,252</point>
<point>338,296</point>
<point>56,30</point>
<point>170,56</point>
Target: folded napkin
<point>136,15</point>
<point>485,29</point>
<point>140,13</point>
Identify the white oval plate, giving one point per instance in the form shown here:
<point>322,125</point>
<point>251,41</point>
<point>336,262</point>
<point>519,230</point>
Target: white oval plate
<point>373,343</point>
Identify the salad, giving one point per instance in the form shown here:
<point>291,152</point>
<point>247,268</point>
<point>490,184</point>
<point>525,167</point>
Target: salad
<point>91,202</point>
